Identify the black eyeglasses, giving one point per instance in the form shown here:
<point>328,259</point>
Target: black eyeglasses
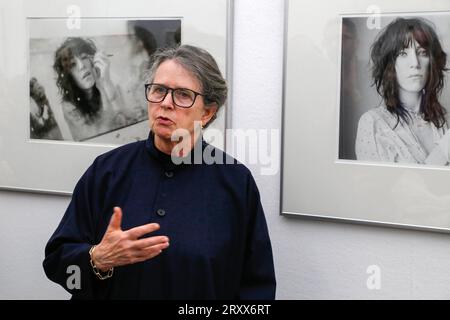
<point>181,97</point>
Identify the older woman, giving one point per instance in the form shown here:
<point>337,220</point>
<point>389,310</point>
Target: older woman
<point>92,104</point>
<point>141,226</point>
<point>408,72</point>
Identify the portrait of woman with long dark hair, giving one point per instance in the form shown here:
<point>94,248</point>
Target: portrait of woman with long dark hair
<point>92,104</point>
<point>408,72</point>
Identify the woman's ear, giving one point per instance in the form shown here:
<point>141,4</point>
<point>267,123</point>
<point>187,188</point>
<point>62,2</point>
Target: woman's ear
<point>208,112</point>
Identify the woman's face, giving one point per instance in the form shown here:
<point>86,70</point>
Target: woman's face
<point>82,71</point>
<point>411,67</point>
<point>165,117</point>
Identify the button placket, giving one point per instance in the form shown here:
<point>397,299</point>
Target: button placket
<point>162,203</point>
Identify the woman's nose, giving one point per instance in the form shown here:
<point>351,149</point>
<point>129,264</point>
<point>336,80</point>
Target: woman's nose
<point>168,100</point>
<point>414,60</point>
<point>79,63</point>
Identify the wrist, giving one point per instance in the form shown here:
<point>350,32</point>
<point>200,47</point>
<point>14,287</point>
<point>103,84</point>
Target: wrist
<point>101,271</point>
<point>95,259</point>
<point>109,89</point>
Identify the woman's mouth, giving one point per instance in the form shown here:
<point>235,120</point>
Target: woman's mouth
<point>164,121</point>
<point>87,74</point>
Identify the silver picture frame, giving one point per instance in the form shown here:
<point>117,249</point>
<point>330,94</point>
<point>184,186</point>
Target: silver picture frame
<point>52,166</point>
<point>315,182</point>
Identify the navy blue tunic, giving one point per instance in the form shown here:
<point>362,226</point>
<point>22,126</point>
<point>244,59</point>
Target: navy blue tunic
<point>212,214</point>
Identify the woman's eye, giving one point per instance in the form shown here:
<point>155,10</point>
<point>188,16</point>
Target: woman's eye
<point>402,54</point>
<point>423,53</point>
<point>84,56</point>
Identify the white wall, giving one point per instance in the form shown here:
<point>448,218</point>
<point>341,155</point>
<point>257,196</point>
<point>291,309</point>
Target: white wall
<point>314,259</point>
<point>26,223</point>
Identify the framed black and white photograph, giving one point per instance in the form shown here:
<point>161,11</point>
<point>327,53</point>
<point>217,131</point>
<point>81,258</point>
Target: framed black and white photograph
<point>366,113</point>
<point>394,100</point>
<point>72,77</point>
<point>88,86</point>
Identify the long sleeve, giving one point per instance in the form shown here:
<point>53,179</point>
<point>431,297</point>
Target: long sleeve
<point>212,214</point>
<point>258,279</point>
<point>366,145</point>
<point>70,243</point>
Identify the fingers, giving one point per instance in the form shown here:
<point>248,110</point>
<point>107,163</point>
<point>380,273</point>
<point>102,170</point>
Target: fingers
<point>98,67</point>
<point>151,252</point>
<point>101,55</point>
<point>116,220</point>
<point>101,60</point>
<point>156,248</point>
<point>140,231</point>
<point>101,64</point>
<point>146,249</point>
<point>152,241</point>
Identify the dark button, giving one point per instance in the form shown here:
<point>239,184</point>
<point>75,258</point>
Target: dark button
<point>169,174</point>
<point>161,212</point>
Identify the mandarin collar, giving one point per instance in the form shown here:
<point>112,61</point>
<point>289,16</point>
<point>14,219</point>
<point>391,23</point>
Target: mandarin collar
<point>165,159</point>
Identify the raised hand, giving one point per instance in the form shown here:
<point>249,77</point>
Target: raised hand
<point>119,247</point>
<point>101,66</point>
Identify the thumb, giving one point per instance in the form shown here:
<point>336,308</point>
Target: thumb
<point>116,220</point>
<point>97,73</point>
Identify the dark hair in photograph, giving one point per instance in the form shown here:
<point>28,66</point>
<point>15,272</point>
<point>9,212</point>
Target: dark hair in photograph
<point>147,38</point>
<point>37,93</point>
<point>395,37</point>
<point>69,90</point>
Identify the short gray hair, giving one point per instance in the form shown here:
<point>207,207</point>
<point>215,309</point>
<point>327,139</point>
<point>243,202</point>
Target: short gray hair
<point>202,65</point>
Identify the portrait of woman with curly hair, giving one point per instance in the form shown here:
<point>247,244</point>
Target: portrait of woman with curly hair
<point>91,103</point>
